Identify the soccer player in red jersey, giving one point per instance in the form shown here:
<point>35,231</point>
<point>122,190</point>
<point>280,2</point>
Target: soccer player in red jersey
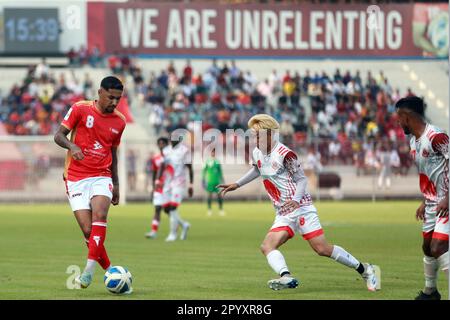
<point>90,173</point>
<point>158,192</point>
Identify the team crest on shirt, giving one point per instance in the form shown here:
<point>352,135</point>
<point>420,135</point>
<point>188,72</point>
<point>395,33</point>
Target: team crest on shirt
<point>425,153</point>
<point>114,131</point>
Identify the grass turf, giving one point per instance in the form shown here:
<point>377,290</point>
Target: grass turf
<point>220,259</point>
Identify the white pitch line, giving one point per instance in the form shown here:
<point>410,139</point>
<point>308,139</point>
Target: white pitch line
<point>413,76</point>
<point>431,95</point>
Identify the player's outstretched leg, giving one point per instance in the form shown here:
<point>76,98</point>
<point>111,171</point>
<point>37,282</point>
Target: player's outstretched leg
<point>370,273</point>
<point>275,258</point>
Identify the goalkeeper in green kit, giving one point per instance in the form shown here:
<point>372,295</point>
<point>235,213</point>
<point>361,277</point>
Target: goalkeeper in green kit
<point>211,177</point>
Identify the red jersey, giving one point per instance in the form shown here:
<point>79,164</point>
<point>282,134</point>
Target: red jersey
<point>167,174</point>
<point>157,160</point>
<point>95,133</point>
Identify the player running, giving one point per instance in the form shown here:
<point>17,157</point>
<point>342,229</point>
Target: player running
<point>285,183</point>
<point>429,149</point>
<point>175,160</point>
<point>90,175</point>
<point>158,194</point>
<point>211,176</point>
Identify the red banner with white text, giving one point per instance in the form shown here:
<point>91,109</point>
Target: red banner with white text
<point>257,30</point>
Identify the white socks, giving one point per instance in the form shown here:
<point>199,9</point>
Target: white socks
<point>175,220</point>
<point>443,262</point>
<point>277,262</point>
<point>90,266</point>
<point>430,267</point>
<point>340,255</point>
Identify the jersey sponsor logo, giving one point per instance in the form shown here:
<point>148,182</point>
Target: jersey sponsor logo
<point>259,164</point>
<point>97,145</point>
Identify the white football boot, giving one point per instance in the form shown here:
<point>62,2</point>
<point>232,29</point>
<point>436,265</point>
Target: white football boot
<point>284,282</point>
<point>372,276</point>
<point>185,230</point>
<point>171,237</point>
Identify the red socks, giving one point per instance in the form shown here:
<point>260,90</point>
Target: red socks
<point>97,250</point>
<point>155,225</point>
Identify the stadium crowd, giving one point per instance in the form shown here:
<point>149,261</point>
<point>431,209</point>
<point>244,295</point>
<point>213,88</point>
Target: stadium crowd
<point>342,118</point>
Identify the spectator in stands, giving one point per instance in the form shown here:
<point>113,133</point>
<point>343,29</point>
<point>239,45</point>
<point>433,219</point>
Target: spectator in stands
<point>114,63</point>
<point>42,69</point>
<point>95,57</point>
<point>187,71</point>
<point>72,56</point>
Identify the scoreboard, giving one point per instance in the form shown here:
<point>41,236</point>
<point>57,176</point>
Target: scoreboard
<point>31,31</point>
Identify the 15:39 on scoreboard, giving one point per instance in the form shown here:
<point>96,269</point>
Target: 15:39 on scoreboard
<point>31,30</point>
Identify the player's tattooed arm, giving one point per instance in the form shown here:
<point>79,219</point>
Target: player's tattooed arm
<point>115,177</point>
<point>61,140</point>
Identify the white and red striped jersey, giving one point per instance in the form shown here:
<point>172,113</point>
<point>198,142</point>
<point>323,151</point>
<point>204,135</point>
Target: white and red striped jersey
<point>176,159</point>
<point>277,179</point>
<point>430,153</point>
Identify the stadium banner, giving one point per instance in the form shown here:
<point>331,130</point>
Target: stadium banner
<point>257,30</point>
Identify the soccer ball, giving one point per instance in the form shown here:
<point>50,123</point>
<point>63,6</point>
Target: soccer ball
<point>118,280</point>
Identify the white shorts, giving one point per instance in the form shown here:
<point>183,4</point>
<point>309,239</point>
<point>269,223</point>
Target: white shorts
<point>158,198</point>
<point>435,227</point>
<point>174,196</point>
<point>81,192</point>
<point>304,221</point>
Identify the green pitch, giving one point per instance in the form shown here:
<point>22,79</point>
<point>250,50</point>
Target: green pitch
<point>220,259</point>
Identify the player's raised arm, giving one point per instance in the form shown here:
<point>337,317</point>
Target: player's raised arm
<point>115,177</point>
<point>61,140</point>
<point>251,175</point>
